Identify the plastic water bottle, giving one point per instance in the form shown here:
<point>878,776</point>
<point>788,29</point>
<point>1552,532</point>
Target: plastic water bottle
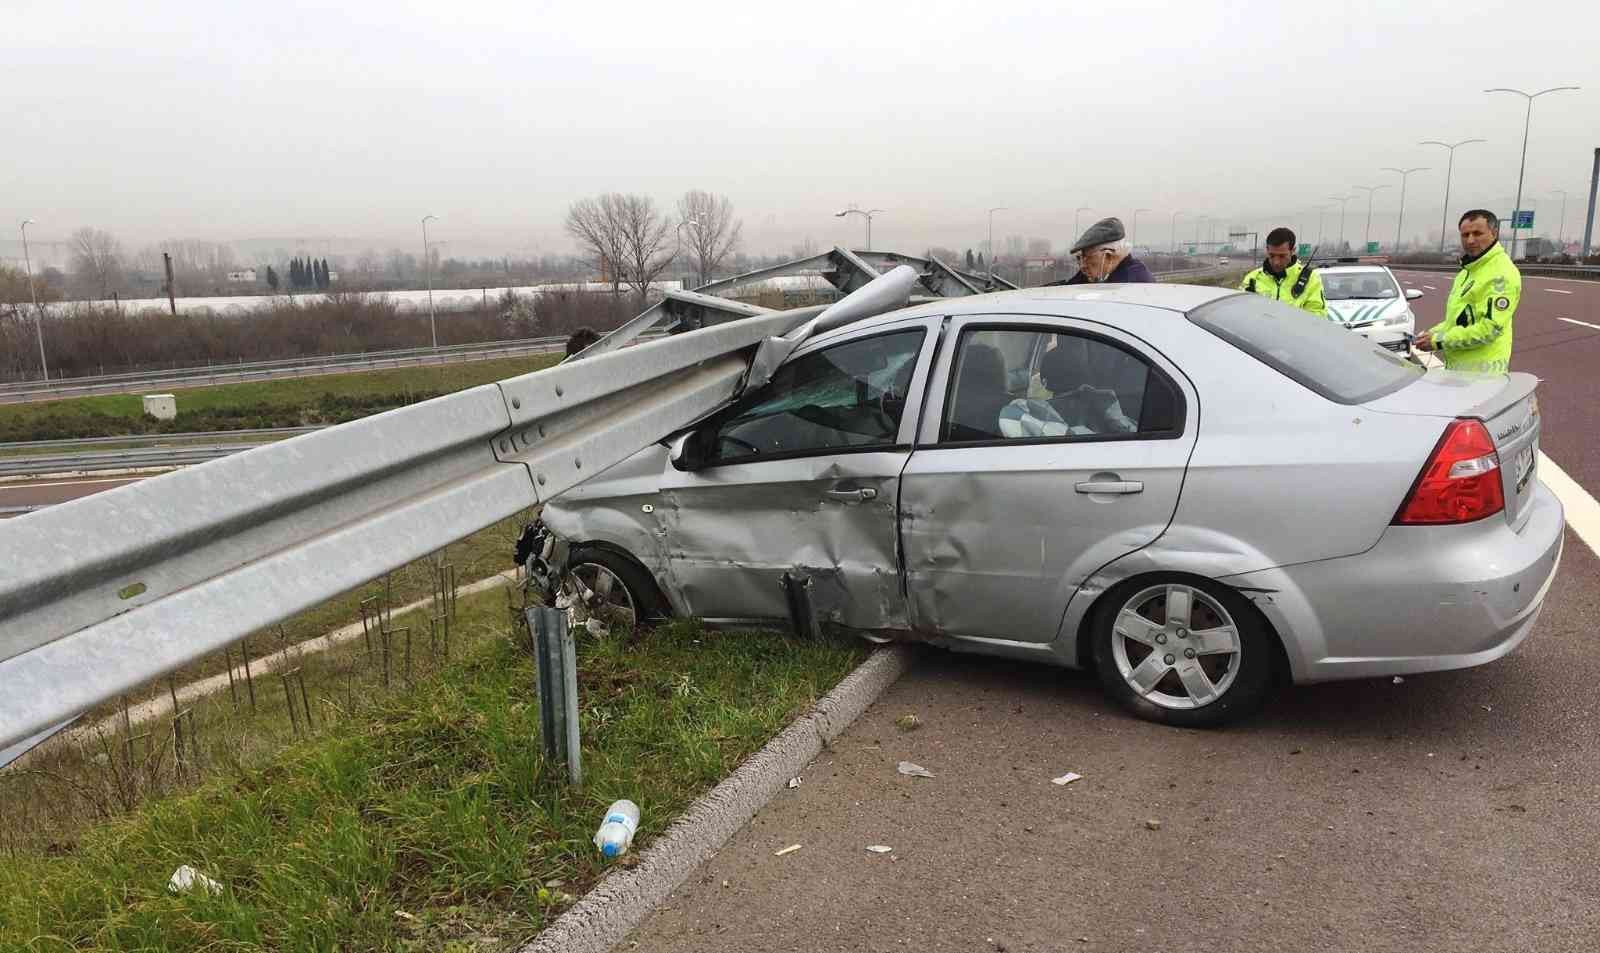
<point>616,831</point>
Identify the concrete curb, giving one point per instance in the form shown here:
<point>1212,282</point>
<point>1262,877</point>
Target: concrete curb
<point>610,911</point>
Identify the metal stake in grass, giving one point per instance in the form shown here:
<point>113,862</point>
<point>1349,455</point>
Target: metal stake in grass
<point>407,630</point>
<point>249,682</point>
<point>288,698</point>
<point>383,637</point>
<point>233,690</point>
<point>368,611</point>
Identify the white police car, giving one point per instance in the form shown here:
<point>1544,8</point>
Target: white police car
<point>1367,299</point>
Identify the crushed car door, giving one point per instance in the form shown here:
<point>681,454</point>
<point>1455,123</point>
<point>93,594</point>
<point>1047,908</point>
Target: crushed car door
<point>1050,447</point>
<point>802,476</point>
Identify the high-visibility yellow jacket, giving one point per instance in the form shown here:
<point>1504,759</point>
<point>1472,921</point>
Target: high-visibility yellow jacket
<point>1475,334</point>
<point>1263,282</point>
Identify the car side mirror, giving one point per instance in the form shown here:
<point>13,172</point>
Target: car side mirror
<point>684,452</point>
<point>1413,294</point>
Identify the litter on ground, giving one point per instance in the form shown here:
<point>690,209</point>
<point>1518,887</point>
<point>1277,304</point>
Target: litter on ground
<point>914,770</point>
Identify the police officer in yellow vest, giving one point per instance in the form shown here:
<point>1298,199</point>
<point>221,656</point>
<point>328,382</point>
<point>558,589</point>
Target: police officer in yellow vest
<point>1475,334</point>
<point>1284,277</point>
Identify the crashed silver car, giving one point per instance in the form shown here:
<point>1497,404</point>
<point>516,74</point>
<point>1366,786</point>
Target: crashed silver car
<point>1194,492</point>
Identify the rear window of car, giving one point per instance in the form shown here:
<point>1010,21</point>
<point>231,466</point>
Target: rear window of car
<point>1325,357</point>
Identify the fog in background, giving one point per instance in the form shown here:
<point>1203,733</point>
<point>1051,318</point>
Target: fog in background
<point>304,124</point>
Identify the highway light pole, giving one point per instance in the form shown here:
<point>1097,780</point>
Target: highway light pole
<point>38,324</point>
<point>1401,221</point>
<point>998,208</point>
<point>1175,231</point>
<point>689,223</point>
<point>1527,120</point>
<point>1344,203</point>
<point>1075,213</point>
<point>1133,239</point>
<point>866,214</point>
<point>1444,221</point>
<point>1561,229</point>
<point>427,270</point>
<point>1371,190</point>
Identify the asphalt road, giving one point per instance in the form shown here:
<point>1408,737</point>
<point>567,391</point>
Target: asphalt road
<point>1456,811</point>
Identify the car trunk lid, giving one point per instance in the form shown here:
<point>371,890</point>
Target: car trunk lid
<point>1507,406</point>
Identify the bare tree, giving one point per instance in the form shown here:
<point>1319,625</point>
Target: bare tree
<point>646,243</point>
<point>96,260</point>
<point>712,230</point>
<point>596,224</point>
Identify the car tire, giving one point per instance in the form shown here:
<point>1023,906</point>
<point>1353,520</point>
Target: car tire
<point>1210,664</point>
<point>638,592</point>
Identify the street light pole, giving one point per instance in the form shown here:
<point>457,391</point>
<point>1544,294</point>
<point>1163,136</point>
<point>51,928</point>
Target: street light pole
<point>38,323</point>
<point>1371,190</point>
<point>1344,205</point>
<point>1561,229</point>
<point>690,223</point>
<point>1134,238</point>
<point>865,214</point>
<point>1527,120</point>
<point>427,271</point>
<point>1444,220</point>
<point>998,208</point>
<point>1075,213</point>
<point>1401,221</point>
<point>1175,231</point>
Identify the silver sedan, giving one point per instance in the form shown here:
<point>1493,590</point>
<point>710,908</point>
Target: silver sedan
<point>1193,492</point>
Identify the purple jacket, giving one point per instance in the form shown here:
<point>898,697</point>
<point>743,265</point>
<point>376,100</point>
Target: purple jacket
<point>1129,270</point>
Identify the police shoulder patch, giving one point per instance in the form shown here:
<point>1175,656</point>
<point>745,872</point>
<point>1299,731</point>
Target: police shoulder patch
<point>1500,285</point>
<point>1502,303</point>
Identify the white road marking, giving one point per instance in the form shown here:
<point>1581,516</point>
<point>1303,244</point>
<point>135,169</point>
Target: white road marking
<point>1557,291</point>
<point>1430,287</point>
<point>1583,513</point>
<point>1576,321</point>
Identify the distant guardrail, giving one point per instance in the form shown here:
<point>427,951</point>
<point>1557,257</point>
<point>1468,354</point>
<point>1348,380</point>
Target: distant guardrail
<point>157,438</point>
<point>23,391</point>
<point>1576,272</point>
<point>152,458</point>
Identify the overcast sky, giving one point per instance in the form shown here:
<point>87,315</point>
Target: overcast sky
<point>289,120</point>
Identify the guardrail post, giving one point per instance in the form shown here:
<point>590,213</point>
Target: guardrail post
<point>557,659</point>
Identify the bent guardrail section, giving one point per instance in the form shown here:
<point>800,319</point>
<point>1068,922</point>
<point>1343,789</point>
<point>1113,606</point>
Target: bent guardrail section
<point>109,591</point>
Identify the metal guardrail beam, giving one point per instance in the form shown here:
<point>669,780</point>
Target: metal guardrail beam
<point>106,592</point>
<point>1576,272</point>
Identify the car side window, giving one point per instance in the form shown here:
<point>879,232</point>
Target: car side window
<point>845,397</point>
<point>1030,385</point>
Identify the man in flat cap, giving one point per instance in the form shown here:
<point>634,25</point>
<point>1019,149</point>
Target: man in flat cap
<point>1103,254</point>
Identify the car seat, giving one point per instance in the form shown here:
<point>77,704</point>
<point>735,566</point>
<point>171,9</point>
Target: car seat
<point>980,395</point>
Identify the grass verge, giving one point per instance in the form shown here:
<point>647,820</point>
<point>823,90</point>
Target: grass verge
<point>289,402</point>
<point>424,817</point>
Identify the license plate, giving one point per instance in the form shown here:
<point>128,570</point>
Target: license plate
<point>1524,468</point>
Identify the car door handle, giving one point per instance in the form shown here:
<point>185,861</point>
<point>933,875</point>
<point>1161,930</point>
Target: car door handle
<point>852,496</point>
<point>1110,486</point>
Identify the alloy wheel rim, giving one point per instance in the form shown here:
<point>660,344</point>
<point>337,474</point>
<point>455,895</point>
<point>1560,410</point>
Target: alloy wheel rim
<point>607,597</point>
<point>1176,646</point>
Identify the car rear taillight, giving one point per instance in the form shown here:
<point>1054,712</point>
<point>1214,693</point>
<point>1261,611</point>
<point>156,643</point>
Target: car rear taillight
<point>1459,483</point>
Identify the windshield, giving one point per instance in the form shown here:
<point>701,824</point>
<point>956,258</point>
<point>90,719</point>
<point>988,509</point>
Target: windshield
<point>1344,285</point>
<point>1321,355</point>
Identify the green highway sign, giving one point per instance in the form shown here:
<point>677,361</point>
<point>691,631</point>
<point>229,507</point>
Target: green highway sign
<point>1372,248</point>
<point>1305,248</point>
